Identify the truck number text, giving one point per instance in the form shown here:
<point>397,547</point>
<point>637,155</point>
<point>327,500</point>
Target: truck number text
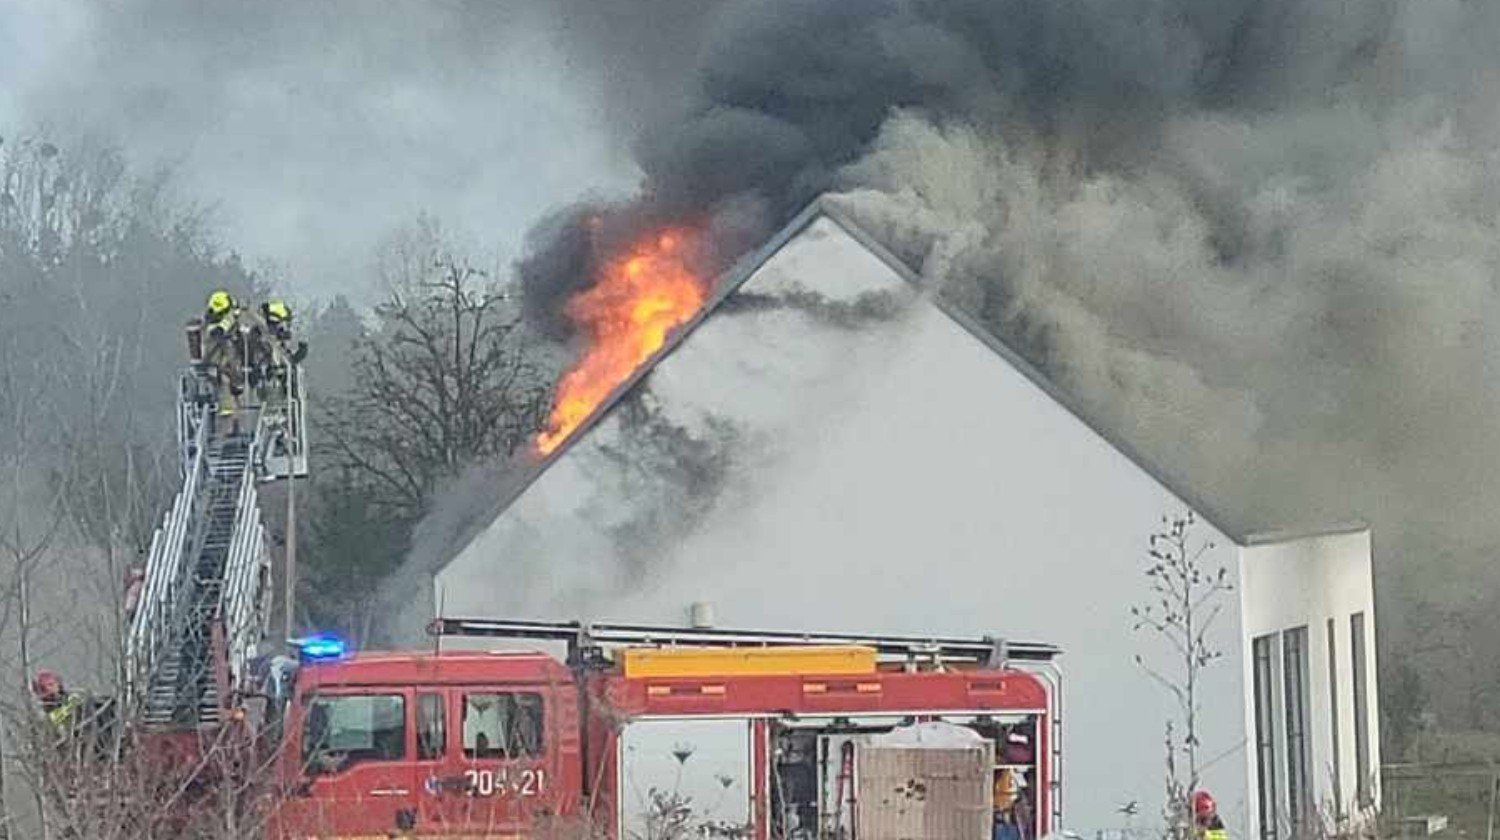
<point>493,782</point>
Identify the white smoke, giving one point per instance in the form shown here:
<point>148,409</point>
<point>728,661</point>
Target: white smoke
<point>1296,314</point>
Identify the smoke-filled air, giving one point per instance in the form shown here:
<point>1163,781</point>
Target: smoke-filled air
<point>1257,239</point>
<point>563,359</point>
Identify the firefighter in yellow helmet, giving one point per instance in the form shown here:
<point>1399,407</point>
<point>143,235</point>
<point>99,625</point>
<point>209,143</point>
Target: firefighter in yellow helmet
<point>224,349</point>
<point>278,319</point>
<point>272,351</point>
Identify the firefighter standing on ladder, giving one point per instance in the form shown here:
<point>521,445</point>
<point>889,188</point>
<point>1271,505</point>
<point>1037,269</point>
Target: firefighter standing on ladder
<point>223,350</point>
<point>271,343</point>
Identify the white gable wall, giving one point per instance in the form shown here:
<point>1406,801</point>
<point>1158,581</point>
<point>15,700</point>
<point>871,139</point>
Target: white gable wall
<point>882,474</point>
<point>1310,582</point>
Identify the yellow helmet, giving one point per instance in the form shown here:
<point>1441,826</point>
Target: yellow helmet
<point>219,302</point>
<point>277,311</point>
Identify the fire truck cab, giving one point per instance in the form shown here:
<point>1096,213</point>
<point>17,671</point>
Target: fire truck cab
<point>660,732</point>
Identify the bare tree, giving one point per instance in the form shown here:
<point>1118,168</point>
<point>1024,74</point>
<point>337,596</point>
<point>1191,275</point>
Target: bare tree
<point>107,778</point>
<point>1186,598</point>
<point>443,380</point>
<point>27,536</point>
<point>96,264</point>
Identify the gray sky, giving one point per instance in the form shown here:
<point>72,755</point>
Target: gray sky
<point>315,128</point>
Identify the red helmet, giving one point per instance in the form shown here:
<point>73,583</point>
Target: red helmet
<point>1203,804</point>
<point>46,684</point>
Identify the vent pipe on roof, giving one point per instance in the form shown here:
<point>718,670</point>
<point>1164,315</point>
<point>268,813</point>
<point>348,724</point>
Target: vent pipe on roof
<point>701,615</point>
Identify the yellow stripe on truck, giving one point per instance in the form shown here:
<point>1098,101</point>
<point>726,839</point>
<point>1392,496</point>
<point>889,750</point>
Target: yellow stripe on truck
<point>829,660</point>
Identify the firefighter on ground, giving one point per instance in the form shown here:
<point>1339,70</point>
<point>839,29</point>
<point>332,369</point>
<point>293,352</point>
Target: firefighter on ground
<point>223,349</point>
<point>1206,817</point>
<point>83,725</point>
<point>64,709</point>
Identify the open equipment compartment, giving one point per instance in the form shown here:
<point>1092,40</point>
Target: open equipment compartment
<point>814,765</point>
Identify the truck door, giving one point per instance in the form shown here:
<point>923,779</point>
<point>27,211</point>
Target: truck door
<point>357,777</point>
<point>499,768</point>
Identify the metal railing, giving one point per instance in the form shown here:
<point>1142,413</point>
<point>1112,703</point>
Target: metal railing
<point>242,599</point>
<point>170,609</point>
<point>168,565</point>
<point>1452,798</point>
<point>283,451</point>
<point>192,416</point>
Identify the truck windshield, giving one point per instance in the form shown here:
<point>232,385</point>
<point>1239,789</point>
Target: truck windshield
<point>340,730</point>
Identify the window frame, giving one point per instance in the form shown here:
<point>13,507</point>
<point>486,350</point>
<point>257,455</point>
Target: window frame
<point>1361,689</point>
<point>424,739</point>
<point>353,757</point>
<point>1263,679</point>
<point>1294,650</point>
<point>530,752</point>
<point>1333,711</point>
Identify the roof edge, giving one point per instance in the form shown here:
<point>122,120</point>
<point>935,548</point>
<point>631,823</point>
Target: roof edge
<point>999,346</point>
<point>1275,537</point>
<point>725,284</point>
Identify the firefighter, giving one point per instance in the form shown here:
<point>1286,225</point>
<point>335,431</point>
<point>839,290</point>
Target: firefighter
<point>278,319</point>
<point>64,709</point>
<point>64,720</point>
<point>1206,817</point>
<point>61,707</point>
<point>224,349</point>
<point>273,347</point>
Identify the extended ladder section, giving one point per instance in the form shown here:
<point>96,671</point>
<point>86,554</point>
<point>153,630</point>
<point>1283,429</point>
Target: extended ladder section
<point>203,607</point>
<point>586,640</point>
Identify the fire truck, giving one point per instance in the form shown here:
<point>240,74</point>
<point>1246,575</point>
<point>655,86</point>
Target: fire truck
<point>655,732</point>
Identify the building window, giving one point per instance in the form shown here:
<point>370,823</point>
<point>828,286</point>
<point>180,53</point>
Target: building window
<point>502,725</point>
<point>1361,710</point>
<point>1265,733</point>
<point>1294,685</point>
<point>1333,715</point>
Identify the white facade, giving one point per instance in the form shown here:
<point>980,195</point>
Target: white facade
<point>1307,607</point>
<point>829,448</point>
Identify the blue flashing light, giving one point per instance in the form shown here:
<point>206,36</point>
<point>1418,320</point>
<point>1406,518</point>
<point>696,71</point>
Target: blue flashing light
<point>321,648</point>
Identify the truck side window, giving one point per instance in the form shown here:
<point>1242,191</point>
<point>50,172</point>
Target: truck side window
<point>343,729</point>
<point>502,725</point>
<point>431,731</point>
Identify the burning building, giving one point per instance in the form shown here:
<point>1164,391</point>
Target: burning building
<point>817,442</point>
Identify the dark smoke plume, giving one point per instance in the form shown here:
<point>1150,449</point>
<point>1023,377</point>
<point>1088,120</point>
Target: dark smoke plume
<point>1259,237</point>
<point>789,91</point>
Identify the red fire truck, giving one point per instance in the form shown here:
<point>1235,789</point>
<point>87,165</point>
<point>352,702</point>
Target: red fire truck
<point>648,732</point>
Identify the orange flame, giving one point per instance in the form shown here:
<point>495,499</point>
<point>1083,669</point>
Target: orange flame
<point>626,317</point>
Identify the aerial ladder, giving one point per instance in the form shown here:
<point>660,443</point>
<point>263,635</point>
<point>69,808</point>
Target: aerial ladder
<point>203,611</point>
